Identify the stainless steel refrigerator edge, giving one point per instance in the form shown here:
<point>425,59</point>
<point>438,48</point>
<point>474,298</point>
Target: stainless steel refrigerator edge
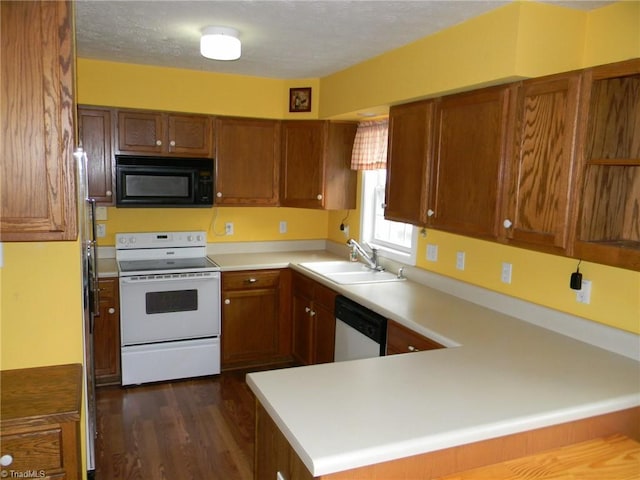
<point>90,300</point>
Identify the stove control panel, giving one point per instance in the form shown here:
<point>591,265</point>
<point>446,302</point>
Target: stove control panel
<point>127,241</point>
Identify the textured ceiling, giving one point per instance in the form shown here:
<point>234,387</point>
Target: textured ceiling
<point>280,39</point>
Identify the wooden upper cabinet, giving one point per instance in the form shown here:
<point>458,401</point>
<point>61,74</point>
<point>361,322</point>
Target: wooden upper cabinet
<point>147,132</point>
<point>472,130</point>
<point>247,161</point>
<point>95,127</point>
<point>316,159</point>
<point>190,135</point>
<point>540,179</point>
<point>608,223</point>
<point>37,170</point>
<point>409,161</point>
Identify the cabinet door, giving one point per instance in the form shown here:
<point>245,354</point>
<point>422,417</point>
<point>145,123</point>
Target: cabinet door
<point>302,348</point>
<point>608,223</point>
<point>403,340</point>
<point>324,334</point>
<point>408,162</point>
<point>249,326</point>
<point>472,132</point>
<point>37,170</point>
<point>106,334</point>
<point>140,132</point>
<point>247,161</point>
<point>189,135</point>
<point>339,181</point>
<point>94,128</point>
<point>303,145</point>
<point>540,177</point>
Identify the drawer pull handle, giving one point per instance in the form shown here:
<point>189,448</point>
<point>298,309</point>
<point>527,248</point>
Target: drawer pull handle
<point>411,348</point>
<point>112,311</point>
<point>159,143</point>
<point>227,301</point>
<point>312,313</point>
<point>251,280</point>
<point>307,309</point>
<point>6,460</point>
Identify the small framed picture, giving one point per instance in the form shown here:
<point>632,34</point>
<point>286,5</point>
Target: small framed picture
<point>300,99</point>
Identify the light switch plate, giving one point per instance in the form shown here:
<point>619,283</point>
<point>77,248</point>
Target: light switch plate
<point>283,226</point>
<point>101,230</point>
<point>505,276</point>
<point>460,258</point>
<point>228,228</point>
<point>101,213</point>
<point>432,252</point>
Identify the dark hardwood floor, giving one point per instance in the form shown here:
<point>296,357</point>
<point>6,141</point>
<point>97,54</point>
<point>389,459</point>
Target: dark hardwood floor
<point>181,430</point>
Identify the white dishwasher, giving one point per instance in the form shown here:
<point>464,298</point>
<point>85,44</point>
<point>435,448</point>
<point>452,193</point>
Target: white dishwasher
<point>360,332</point>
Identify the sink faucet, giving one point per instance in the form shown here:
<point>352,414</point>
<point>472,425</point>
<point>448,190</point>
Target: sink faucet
<point>372,260</point>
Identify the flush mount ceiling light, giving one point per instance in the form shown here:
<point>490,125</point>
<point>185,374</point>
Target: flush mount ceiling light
<point>220,43</point>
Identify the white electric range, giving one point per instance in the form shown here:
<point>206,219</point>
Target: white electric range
<point>169,306</point>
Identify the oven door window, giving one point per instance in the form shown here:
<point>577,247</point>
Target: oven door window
<point>170,302</point>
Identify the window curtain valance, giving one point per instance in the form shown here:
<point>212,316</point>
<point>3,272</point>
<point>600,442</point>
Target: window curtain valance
<point>370,145</point>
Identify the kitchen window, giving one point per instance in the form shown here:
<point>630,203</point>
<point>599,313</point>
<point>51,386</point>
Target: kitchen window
<point>395,240</point>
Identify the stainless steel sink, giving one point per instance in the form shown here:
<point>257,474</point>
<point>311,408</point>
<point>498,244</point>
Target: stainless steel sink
<point>349,273</point>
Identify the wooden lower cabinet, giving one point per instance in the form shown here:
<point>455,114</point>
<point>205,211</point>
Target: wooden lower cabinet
<point>400,339</point>
<point>256,327</point>
<point>314,323</point>
<point>40,422</point>
<point>274,453</point>
<point>106,334</point>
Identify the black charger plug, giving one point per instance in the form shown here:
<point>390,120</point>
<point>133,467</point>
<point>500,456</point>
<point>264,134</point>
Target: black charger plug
<point>576,279</point>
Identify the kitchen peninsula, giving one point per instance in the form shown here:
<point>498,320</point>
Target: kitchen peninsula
<point>505,388</point>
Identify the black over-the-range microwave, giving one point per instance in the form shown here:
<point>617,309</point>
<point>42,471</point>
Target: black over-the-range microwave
<point>163,182</point>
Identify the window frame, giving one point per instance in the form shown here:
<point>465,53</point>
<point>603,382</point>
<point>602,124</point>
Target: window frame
<point>391,251</point>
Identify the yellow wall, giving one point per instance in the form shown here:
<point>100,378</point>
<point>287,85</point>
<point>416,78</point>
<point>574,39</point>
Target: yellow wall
<point>249,223</point>
<point>41,305</point>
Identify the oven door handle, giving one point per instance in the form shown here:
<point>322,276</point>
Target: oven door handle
<point>205,276</point>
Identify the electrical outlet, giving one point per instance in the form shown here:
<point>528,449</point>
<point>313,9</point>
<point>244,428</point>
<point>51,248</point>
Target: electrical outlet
<point>101,230</point>
<point>228,228</point>
<point>584,294</point>
<point>505,276</point>
<point>460,257</point>
<point>283,226</point>
<point>432,252</point>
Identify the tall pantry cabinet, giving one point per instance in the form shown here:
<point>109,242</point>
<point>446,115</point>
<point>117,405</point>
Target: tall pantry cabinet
<point>37,172</point>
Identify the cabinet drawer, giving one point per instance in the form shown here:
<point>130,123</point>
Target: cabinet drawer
<point>108,287</point>
<point>402,340</point>
<point>34,450</point>
<point>250,279</point>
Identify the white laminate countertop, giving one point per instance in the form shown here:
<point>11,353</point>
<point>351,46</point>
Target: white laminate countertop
<point>500,376</point>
